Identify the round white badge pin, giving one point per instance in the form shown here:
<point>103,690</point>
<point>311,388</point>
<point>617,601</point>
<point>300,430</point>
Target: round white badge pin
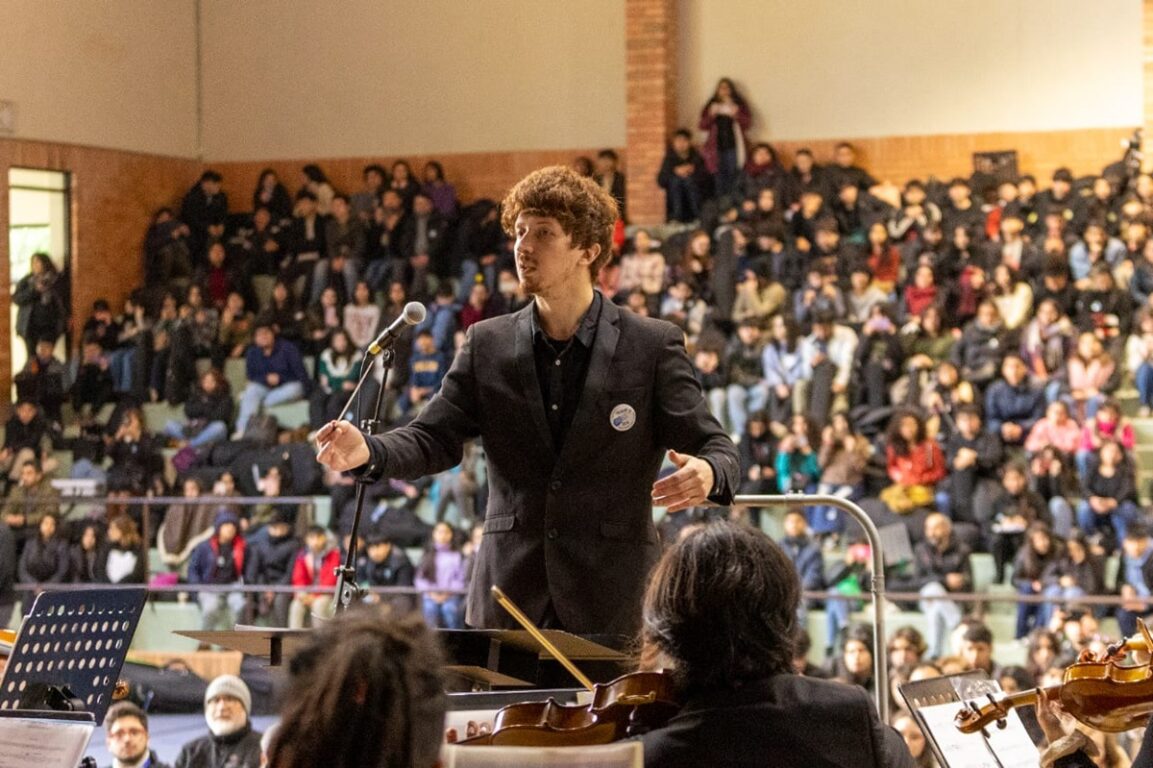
<point>623,417</point>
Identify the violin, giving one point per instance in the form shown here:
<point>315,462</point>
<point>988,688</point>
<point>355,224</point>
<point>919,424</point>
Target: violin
<point>1100,693</point>
<point>631,705</point>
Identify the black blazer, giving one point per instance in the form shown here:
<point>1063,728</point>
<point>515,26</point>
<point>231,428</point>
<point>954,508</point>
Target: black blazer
<point>575,529</point>
<point>784,721</point>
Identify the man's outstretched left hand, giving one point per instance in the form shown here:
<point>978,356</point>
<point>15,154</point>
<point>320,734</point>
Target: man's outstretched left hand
<point>688,487</point>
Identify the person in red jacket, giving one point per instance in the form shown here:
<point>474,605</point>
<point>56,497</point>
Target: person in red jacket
<point>915,463</point>
<point>315,567</point>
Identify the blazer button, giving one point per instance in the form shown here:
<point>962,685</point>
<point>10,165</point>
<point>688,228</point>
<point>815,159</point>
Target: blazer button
<point>555,485</point>
<point>552,534</point>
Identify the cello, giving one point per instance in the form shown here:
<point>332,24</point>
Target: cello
<point>628,706</point>
<point>1101,693</point>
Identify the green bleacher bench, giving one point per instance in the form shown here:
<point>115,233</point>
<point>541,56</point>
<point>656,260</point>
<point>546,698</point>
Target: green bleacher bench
<point>290,415</point>
<point>159,623</point>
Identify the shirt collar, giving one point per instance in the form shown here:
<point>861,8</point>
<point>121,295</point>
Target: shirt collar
<point>586,329</point>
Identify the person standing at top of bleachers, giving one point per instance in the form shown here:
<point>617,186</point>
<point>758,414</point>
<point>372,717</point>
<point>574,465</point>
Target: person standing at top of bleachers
<point>275,372</point>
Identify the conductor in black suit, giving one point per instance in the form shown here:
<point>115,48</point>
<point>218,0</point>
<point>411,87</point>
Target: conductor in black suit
<point>721,615</point>
<point>577,402</point>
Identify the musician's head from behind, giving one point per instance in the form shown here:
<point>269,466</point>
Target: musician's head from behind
<point>563,223</point>
<point>721,608</point>
<point>365,692</point>
<point>126,729</point>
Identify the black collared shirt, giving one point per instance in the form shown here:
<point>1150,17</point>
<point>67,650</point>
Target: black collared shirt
<point>561,368</point>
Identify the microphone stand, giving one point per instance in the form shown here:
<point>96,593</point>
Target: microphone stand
<point>347,590</point>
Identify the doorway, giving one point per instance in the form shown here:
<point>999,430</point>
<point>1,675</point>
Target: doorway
<point>39,221</point>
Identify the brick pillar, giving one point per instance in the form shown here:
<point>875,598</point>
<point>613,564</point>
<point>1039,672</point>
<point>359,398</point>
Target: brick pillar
<point>651,89</point>
<point>1147,59</point>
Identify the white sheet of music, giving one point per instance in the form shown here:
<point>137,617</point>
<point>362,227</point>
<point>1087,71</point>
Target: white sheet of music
<point>31,742</point>
<point>624,754</point>
<point>1011,745</point>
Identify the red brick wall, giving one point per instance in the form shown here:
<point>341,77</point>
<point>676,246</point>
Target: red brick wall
<point>651,88</point>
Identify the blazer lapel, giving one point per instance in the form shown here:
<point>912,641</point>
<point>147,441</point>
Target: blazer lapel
<point>596,379</point>
<point>530,385</point>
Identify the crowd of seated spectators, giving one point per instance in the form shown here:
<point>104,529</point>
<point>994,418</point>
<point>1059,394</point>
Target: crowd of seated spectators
<point>947,354</point>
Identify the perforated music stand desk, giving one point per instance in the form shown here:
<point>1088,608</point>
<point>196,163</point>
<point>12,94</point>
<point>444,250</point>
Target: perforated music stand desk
<point>73,639</point>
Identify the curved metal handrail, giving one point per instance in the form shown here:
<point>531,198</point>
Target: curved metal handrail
<point>877,587</point>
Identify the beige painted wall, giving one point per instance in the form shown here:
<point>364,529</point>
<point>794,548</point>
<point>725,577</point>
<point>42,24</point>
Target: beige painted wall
<point>831,68</point>
<point>311,78</point>
<point>115,73</point>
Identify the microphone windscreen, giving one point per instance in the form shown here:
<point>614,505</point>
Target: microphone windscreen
<point>414,313</point>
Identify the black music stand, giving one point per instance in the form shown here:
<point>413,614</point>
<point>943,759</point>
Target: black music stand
<point>70,649</point>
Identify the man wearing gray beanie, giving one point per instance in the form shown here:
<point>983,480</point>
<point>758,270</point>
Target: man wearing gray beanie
<point>230,741</point>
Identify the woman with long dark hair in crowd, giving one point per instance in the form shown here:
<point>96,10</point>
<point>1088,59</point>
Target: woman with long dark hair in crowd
<point>45,559</point>
<point>440,577</point>
<point>914,462</point>
<point>337,371</point>
<point>316,182</point>
<point>207,412</point>
<point>89,556</point>
<point>442,194</point>
<point>1034,569</point>
<point>41,313</point>
<point>725,118</point>
<point>271,194</point>
<point>127,562</point>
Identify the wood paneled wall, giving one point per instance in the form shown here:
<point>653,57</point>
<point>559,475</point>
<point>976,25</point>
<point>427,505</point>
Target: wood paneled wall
<point>114,194</point>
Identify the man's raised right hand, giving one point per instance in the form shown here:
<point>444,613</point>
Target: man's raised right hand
<point>341,446</point>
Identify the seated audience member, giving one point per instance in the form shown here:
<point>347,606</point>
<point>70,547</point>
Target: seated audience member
<point>863,295</point>
<point>43,381</point>
<point>843,456</point>
<point>270,560</point>
<point>45,559</point>
<point>337,371</point>
<point>385,565</point>
<point>1012,295</point>
<point>92,384</point>
<point>1057,429</point>
<point>313,578</point>
<point>942,566</point>
<point>1139,358</point>
<point>1090,373</point>
<point>440,192</point>
<point>275,372</point>
<point>1052,476</point>
<point>219,561</point>
<point>1012,404</point>
<point>906,648</point>
<point>643,268</point>
<point>230,742</point>
<point>1012,512</point>
<point>361,316</point>
<point>1108,424</point>
<point>7,579</point>
<point>480,305</point>
<point>720,612</point>
<point>828,354</point>
<point>127,560</point>
<point>854,664</point>
<point>914,463</point>
<point>137,465</point>
<point>746,390</point>
<point>186,525</point>
<point>1109,491</point>
<point>397,713</point>
<point>1034,573</point>
<point>820,295</point>
<point>915,742</point>
<point>801,664</point>
<point>89,556</point>
<point>976,650</point>
<point>1135,577</point>
<point>235,332</point>
<point>1079,571</point>
<point>684,178</point>
<point>427,368</point>
<point>1046,343</point>
<point>207,412</point>
<point>973,457</point>
<point>796,465</point>
<point>880,360</point>
<point>29,502</point>
<point>216,278</point>
<point>981,347</point>
<point>26,438</point>
<point>126,732</point>
<point>784,366</point>
<point>440,578</point>
<point>805,553</point>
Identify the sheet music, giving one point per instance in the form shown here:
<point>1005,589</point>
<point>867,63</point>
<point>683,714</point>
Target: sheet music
<point>626,754</point>
<point>1012,746</point>
<point>29,742</point>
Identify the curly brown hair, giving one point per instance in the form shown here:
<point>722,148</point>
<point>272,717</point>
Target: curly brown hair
<point>583,209</point>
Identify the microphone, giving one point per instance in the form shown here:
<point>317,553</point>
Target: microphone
<point>413,314</point>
